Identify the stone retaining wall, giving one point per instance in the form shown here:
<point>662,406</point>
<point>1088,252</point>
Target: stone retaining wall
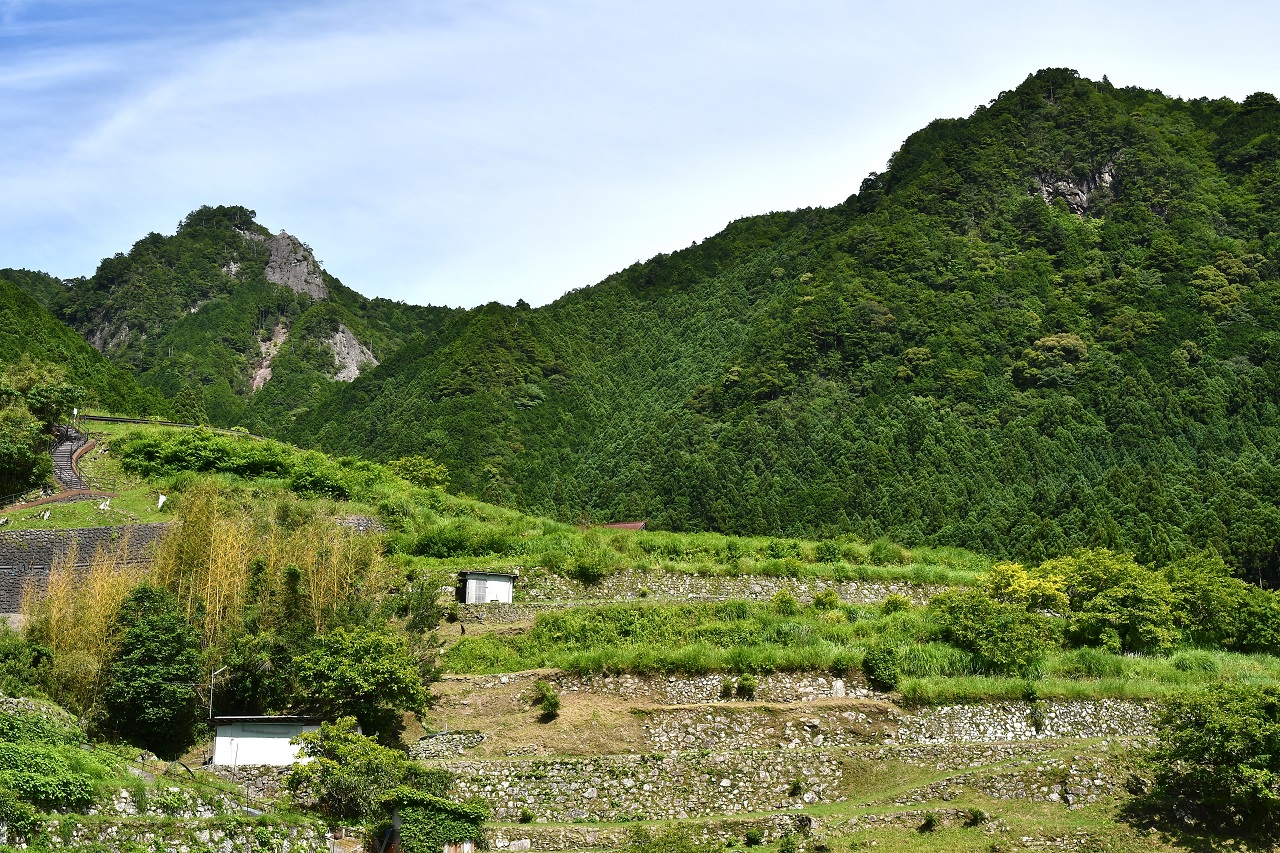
<point>687,690</point>
<point>537,837</point>
<point>762,728</point>
<point>26,554</point>
<point>1015,721</point>
<point>626,787</point>
<point>445,745</point>
<point>206,836</point>
<point>258,781</point>
<point>538,584</point>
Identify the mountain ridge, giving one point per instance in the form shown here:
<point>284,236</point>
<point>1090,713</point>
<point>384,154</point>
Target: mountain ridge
<point>1048,325</point>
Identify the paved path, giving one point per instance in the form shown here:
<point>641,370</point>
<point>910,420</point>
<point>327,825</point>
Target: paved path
<point>63,452</point>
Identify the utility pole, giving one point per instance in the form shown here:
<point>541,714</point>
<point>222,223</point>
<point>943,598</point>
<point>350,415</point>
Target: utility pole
<point>212,675</point>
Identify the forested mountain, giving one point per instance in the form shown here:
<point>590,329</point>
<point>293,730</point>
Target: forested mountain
<point>233,324</point>
<point>1048,325</point>
<point>28,329</point>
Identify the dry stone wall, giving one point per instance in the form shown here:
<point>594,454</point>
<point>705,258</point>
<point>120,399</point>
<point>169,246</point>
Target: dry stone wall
<point>721,729</point>
<point>535,837</point>
<point>203,836</point>
<point>1016,721</point>
<point>630,585</point>
<point>27,554</point>
<point>625,787</point>
<point>687,690</point>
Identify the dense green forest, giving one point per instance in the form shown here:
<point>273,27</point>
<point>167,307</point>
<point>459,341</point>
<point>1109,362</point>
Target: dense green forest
<point>1049,325</point>
<point>1046,326</point>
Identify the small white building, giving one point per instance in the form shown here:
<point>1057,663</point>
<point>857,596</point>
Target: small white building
<point>486,587</point>
<point>242,741</point>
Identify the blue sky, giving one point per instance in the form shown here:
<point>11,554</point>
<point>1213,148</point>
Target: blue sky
<point>456,153</point>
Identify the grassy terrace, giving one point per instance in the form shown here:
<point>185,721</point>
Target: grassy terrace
<point>751,637</point>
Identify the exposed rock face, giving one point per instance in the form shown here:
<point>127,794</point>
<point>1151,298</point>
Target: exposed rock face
<point>1078,192</point>
<point>349,354</point>
<point>293,265</point>
<point>269,349</point>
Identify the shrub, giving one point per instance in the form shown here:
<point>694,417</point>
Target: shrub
<point>931,822</point>
<point>886,553</point>
<point>883,666</point>
<point>895,603</point>
<point>364,674</point>
<point>747,686</point>
<point>1006,638</point>
<point>788,844</point>
<point>784,603</point>
<point>421,471</point>
<point>591,566</point>
<point>546,697</point>
<point>21,819</point>
<point>827,599</point>
<point>827,551</point>
<point>526,816</point>
<point>1218,757</point>
<point>753,837</point>
<point>796,788</point>
<point>1115,603</point>
<point>350,773</point>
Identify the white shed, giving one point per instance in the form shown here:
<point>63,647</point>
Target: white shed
<point>242,741</point>
<point>486,587</point>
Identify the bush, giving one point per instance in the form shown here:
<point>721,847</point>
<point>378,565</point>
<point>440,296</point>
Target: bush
<point>1006,638</point>
<point>931,822</point>
<point>827,551</point>
<point>788,844</point>
<point>883,666</point>
<point>784,603</point>
<point>827,599</point>
<point>591,566</point>
<point>747,686</point>
<point>349,773</point>
<point>886,553</point>
<point>363,674</point>
<point>895,603</point>
<point>421,471</point>
<point>1218,758</point>
<point>546,697</point>
<point>753,837</point>
<point>1115,603</point>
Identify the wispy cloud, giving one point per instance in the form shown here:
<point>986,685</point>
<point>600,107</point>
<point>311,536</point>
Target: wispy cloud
<point>460,152</point>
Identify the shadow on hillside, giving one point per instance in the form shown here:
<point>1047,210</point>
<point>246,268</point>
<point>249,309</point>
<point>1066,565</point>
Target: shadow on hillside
<point>1149,816</point>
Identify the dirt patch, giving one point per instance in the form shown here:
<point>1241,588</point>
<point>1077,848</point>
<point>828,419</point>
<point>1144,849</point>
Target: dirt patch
<point>586,725</point>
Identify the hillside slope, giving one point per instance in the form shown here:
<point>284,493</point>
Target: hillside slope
<point>234,324</point>
<point>27,328</point>
<point>1049,325</point>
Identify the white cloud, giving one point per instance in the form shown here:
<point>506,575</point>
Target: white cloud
<point>455,153</point>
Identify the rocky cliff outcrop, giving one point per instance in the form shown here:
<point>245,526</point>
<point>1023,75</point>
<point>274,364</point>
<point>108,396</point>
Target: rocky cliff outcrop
<point>349,355</point>
<point>292,264</point>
